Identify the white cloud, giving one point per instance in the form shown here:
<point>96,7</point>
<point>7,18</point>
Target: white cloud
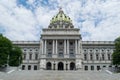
<point>21,23</point>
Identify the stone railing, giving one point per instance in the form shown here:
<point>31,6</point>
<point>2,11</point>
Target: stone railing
<point>97,42</point>
<point>26,42</point>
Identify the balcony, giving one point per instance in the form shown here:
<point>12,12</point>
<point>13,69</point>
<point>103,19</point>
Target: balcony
<point>71,55</point>
<point>49,55</point>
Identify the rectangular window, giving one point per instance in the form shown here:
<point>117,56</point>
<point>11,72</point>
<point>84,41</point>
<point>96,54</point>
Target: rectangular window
<point>109,57</point>
<point>98,67</point>
<point>60,43</point>
<point>72,55</point>
<point>30,56</point>
<point>36,56</point>
<point>71,43</point>
<point>86,67</point>
<point>23,67</point>
<point>29,67</point>
<point>85,56</point>
<point>35,67</point>
<point>92,67</point>
<point>60,55</point>
<point>97,57</point>
<point>103,57</point>
<point>91,57</point>
<point>49,55</point>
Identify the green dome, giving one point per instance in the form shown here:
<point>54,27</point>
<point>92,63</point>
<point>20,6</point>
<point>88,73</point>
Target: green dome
<point>61,21</point>
<point>61,17</point>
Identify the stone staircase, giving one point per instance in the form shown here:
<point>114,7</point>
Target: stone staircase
<point>59,75</point>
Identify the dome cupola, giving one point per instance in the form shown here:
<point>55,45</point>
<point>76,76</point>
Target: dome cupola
<point>60,21</point>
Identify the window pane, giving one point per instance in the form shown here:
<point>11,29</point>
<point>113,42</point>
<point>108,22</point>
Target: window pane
<point>86,67</point>
<point>92,67</point>
<point>72,55</point>
<point>30,56</point>
<point>35,67</point>
<point>60,55</point>
<point>36,56</point>
<point>29,67</point>
<point>49,55</point>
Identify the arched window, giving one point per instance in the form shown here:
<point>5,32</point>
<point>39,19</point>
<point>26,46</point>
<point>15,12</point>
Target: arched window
<point>60,66</point>
<point>48,66</point>
<point>72,66</point>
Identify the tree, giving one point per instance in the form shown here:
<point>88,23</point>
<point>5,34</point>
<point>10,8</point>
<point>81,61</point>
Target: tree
<point>9,54</point>
<point>5,49</point>
<point>116,53</point>
<point>15,57</point>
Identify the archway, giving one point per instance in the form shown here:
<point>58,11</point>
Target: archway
<point>48,66</point>
<point>60,66</point>
<point>72,66</point>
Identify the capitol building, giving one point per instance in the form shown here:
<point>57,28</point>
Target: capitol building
<point>61,48</point>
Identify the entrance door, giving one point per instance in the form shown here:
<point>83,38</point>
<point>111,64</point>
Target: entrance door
<point>60,66</point>
<point>48,66</point>
<point>72,66</point>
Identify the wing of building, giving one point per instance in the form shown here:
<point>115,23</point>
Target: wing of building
<point>61,48</point>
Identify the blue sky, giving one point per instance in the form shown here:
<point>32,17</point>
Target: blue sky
<point>24,19</point>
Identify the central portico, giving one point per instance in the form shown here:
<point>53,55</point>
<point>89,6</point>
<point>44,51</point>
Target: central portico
<point>61,45</point>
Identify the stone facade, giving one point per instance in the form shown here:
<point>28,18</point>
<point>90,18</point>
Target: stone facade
<point>61,48</point>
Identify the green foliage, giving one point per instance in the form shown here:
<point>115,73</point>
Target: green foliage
<point>9,53</point>
<point>15,57</point>
<point>116,54</point>
<point>5,49</point>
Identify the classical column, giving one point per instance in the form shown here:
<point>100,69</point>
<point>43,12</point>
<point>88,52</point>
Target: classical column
<point>53,47</point>
<point>88,54</point>
<point>100,55</point>
<point>56,47</point>
<point>94,55</point>
<point>42,46</point>
<point>64,47</point>
<point>52,65</point>
<point>76,47</point>
<point>45,48</point>
<point>67,46</point>
<point>64,65</point>
<point>68,66</point>
<point>56,66</point>
<point>106,55</point>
